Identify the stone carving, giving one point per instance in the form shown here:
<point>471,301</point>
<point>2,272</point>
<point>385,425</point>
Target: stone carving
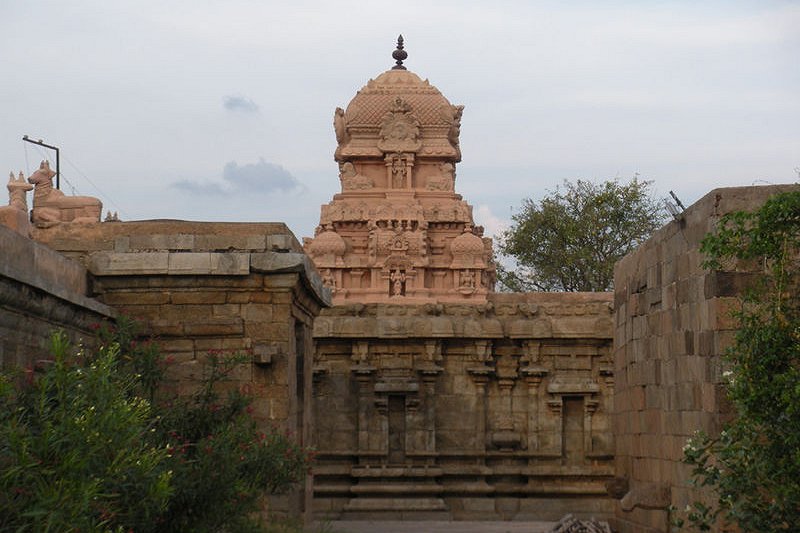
<point>570,524</point>
<point>468,250</point>
<point>466,282</point>
<point>647,496</point>
<point>351,179</point>
<point>329,280</point>
<point>327,248</point>
<point>15,214</point>
<point>17,192</point>
<point>51,206</point>
<point>455,125</point>
<point>340,126</point>
<point>398,213</point>
<point>444,181</point>
<point>399,129</point>
<point>398,280</point>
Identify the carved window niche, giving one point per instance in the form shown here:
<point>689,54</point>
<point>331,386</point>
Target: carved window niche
<point>574,401</point>
<point>397,400</point>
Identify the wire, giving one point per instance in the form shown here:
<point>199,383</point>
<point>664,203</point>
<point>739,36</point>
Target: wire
<point>84,176</point>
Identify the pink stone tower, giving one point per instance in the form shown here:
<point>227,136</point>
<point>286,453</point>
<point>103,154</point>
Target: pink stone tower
<point>398,232</point>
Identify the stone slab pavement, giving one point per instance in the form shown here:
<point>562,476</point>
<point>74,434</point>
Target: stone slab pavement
<point>429,526</point>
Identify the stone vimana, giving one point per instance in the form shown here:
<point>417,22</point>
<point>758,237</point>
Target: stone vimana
<point>381,342</point>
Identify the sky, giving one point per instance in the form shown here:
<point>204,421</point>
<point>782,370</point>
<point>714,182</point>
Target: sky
<point>222,110</point>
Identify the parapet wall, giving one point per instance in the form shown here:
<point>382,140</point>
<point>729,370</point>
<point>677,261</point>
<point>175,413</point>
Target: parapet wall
<point>41,291</point>
<point>672,324</point>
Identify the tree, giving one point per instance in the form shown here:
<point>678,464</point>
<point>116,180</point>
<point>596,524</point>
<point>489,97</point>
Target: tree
<point>753,466</point>
<point>571,239</point>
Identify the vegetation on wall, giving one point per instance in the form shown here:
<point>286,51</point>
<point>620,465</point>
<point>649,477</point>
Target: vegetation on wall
<point>89,442</point>
<point>753,466</point>
<point>570,240</point>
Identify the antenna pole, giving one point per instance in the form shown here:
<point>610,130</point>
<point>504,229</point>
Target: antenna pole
<point>58,157</point>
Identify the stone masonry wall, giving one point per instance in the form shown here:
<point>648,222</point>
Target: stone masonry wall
<point>494,411</point>
<point>672,323</point>
<point>202,287</point>
<point>41,291</point>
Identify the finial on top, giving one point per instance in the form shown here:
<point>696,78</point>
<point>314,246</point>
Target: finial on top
<point>399,54</point>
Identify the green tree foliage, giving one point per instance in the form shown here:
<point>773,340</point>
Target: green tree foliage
<point>92,443</point>
<point>570,240</point>
<point>753,467</point>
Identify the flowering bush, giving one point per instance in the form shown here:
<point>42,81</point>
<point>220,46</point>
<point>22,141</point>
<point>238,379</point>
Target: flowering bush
<point>75,448</point>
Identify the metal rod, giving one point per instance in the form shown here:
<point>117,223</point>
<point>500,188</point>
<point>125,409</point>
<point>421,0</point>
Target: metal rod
<point>58,157</point>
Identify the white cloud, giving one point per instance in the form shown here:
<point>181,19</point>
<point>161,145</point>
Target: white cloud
<point>492,224</point>
<point>253,178</point>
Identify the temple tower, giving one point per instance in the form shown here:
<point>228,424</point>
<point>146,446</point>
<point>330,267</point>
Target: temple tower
<point>398,232</point>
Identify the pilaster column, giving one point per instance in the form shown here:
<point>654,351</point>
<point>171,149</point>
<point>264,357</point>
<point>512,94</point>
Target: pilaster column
<point>533,377</point>
<point>480,375</point>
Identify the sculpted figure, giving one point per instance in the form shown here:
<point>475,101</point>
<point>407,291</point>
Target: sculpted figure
<point>17,189</point>
<point>339,126</point>
<point>51,205</point>
<point>400,129</point>
<point>444,181</point>
<point>455,125</point>
<point>398,279</point>
<point>352,180</point>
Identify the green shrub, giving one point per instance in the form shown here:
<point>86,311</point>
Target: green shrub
<point>75,448</point>
<point>91,442</point>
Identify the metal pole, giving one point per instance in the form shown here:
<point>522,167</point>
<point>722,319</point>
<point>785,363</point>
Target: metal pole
<point>58,157</point>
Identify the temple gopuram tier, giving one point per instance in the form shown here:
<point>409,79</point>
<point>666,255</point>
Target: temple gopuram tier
<point>397,231</point>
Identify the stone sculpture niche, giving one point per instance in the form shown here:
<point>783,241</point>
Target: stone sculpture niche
<point>51,206</point>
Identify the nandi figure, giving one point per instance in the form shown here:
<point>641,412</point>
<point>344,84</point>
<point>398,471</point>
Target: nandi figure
<point>51,205</point>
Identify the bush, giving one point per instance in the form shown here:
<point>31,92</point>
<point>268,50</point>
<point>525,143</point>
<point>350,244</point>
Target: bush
<point>91,443</point>
<point>75,452</point>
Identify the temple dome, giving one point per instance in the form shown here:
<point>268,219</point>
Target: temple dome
<point>468,250</point>
<point>327,249</point>
<point>429,123</point>
<point>375,99</point>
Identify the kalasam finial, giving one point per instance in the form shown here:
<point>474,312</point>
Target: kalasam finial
<point>399,54</point>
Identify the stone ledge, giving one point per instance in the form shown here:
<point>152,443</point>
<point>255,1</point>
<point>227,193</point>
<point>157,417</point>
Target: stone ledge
<point>30,263</point>
<point>279,262</point>
<point>169,263</point>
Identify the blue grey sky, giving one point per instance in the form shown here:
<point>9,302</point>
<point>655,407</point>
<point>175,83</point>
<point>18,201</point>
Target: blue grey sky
<point>223,110</point>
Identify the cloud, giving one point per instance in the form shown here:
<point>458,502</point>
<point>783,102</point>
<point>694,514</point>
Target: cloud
<point>240,103</point>
<point>253,178</point>
<point>493,225</point>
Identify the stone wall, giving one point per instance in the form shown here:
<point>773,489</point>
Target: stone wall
<point>201,287</point>
<point>491,411</point>
<point>41,291</point>
<point>672,323</point>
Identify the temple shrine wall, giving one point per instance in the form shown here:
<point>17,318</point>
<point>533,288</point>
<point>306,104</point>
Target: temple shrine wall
<point>498,410</point>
